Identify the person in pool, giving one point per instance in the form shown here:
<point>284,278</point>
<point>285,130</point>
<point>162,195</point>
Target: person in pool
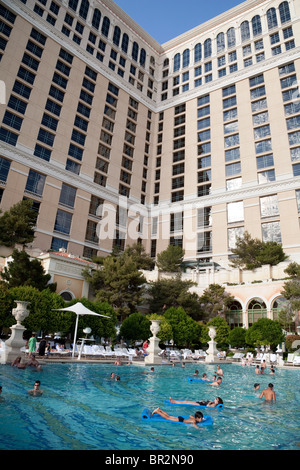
<point>268,393</point>
<point>197,418</point>
<point>212,404</point>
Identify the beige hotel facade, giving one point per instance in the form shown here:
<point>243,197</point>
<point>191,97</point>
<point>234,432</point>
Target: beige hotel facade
<point>117,138</point>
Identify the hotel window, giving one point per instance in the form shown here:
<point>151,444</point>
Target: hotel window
<point>256,25</point>
<point>176,222</point>
<point>233,234</point>
<point>35,183</point>
<point>284,12</point>
<point>298,199</point>
<point>271,232</point>
<point>269,206</point>
<point>245,31</point>
<point>204,242</point>
<point>234,183</point>
<point>266,176</point>
<point>63,222</point>
<point>235,212</point>
<point>67,195</point>
<point>4,169</point>
<point>272,18</point>
<point>91,232</point>
<point>204,217</point>
<point>207,48</point>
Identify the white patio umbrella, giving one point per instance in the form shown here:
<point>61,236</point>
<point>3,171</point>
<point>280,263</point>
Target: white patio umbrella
<point>79,309</point>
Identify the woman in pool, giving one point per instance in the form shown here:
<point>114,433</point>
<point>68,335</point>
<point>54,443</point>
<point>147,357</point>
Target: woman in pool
<point>212,404</point>
<point>197,418</point>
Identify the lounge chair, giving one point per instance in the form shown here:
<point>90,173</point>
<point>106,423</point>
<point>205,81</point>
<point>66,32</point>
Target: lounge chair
<point>273,358</point>
<point>238,356</point>
<point>296,361</point>
<point>290,359</point>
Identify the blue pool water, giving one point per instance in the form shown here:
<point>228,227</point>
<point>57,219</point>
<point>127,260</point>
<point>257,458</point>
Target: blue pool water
<point>83,409</point>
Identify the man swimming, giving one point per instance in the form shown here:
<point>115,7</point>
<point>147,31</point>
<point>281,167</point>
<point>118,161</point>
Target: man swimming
<point>197,418</point>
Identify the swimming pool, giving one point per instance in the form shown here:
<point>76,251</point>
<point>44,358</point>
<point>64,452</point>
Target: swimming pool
<point>83,409</point>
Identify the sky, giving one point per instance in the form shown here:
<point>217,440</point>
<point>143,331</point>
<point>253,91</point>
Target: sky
<point>166,19</point>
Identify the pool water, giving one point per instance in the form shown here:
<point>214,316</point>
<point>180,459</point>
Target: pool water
<point>83,409</point>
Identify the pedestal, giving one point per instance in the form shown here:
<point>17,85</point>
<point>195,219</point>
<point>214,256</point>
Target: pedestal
<point>16,341</point>
<point>212,352</point>
<point>14,344</point>
<point>153,348</point>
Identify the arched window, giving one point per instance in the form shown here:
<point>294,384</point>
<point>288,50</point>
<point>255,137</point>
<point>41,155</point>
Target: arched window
<point>117,36</point>
<point>142,57</point>
<point>207,48</point>
<point>135,51</point>
<point>256,25</point>
<point>245,31</point>
<point>284,12</point>
<point>198,53</point>
<point>186,58</point>
<point>84,8</point>
<point>125,43</point>
<point>256,309</point>
<point>105,26</point>
<point>230,37</point>
<point>220,42</point>
<point>96,18</point>
<point>272,18</point>
<point>166,63</point>
<point>176,63</point>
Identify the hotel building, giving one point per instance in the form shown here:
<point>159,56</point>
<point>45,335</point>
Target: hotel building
<point>117,138</point>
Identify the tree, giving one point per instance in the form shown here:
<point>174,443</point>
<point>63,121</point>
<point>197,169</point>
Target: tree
<point>22,271</point>
<point>185,330</point>
<point>265,332</point>
<point>135,327</point>
<point>166,293</point>
<point>17,224</point>
<point>237,337</point>
<point>215,301</point>
<point>170,259</point>
<point>291,292</point>
<point>251,253</point>
<point>140,257</point>
<point>119,283</point>
<point>222,332</point>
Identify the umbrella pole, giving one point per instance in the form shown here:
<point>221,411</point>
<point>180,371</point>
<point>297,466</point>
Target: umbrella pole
<point>75,335</point>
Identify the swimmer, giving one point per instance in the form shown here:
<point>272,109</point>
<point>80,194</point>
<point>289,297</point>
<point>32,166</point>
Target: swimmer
<point>272,371</point>
<point>112,375</point>
<point>17,363</point>
<point>212,404</point>
<point>257,371</point>
<point>217,383</point>
<point>34,363</point>
<point>256,386</point>
<point>196,372</point>
<point>268,393</point>
<point>219,371</point>
<point>36,390</point>
<point>197,418</point>
<point>204,377</point>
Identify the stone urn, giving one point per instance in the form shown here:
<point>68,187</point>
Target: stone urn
<point>154,328</point>
<point>153,348</point>
<point>20,312</point>
<point>16,341</point>
<point>212,352</point>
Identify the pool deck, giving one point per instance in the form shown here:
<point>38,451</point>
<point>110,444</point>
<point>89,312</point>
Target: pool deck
<point>140,362</point>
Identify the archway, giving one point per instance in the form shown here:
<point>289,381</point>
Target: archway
<point>234,317</point>
<point>257,309</point>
